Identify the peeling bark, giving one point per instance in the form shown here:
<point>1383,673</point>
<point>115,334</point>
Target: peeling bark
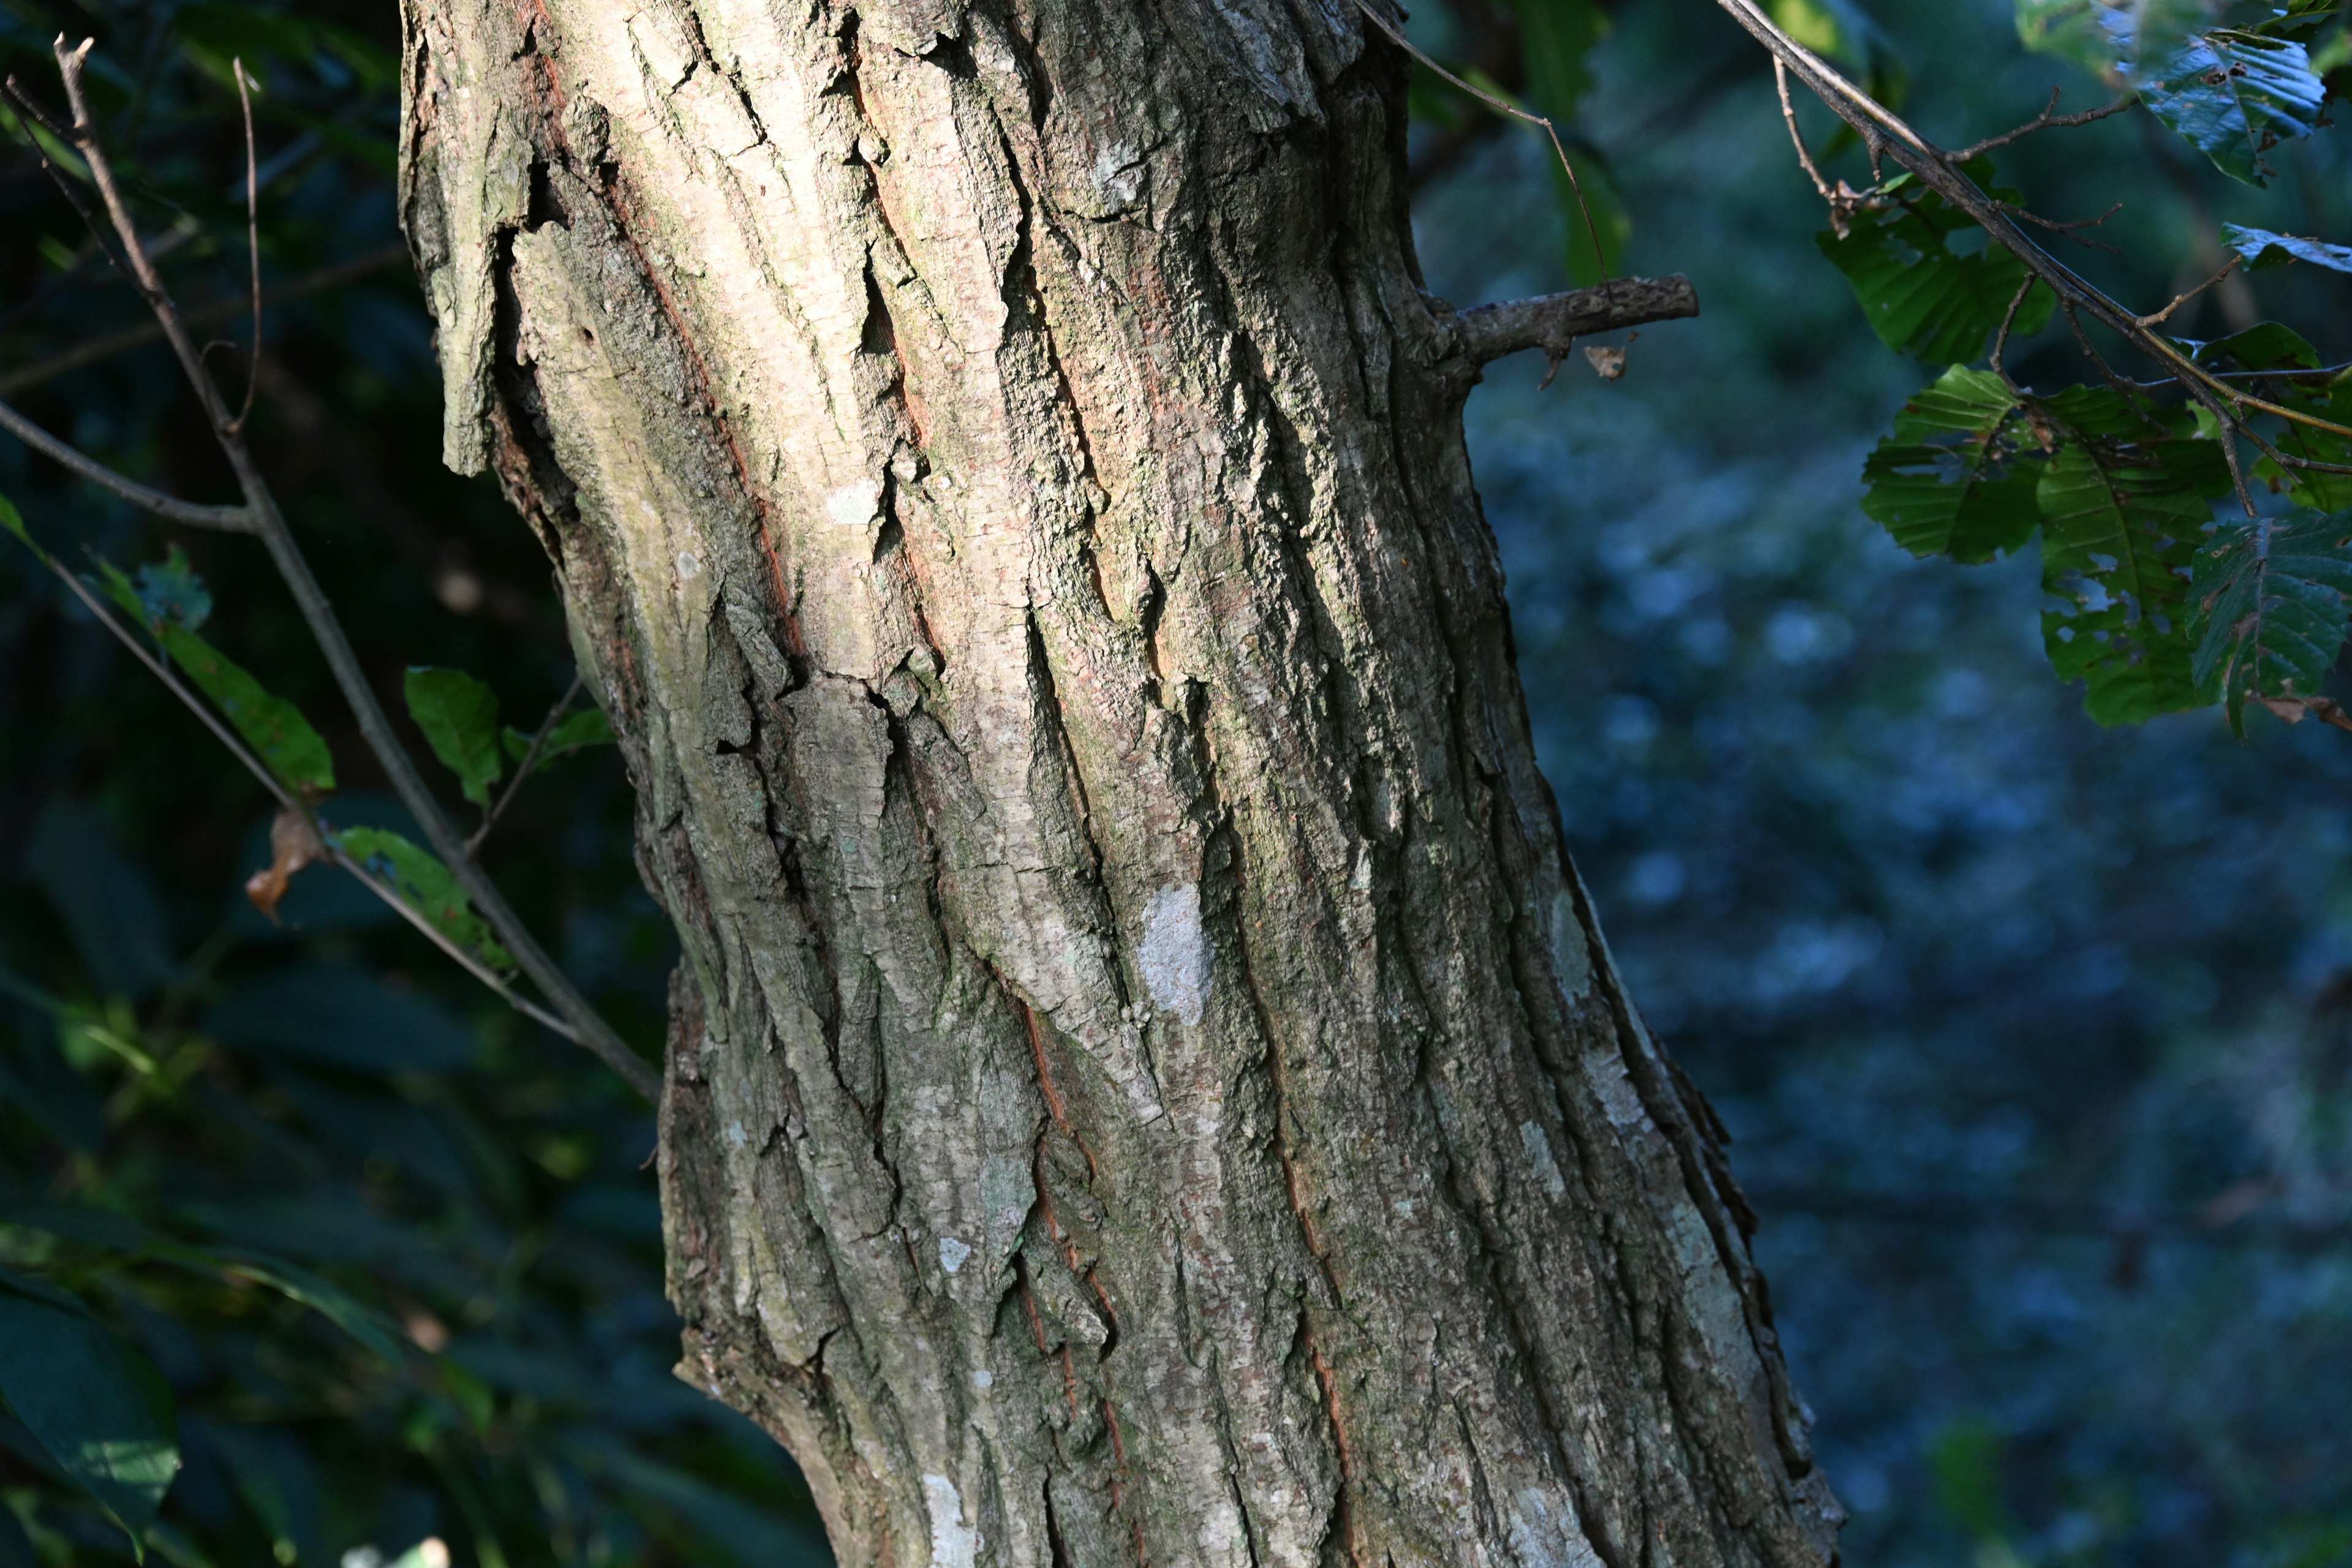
<point>1145,1084</point>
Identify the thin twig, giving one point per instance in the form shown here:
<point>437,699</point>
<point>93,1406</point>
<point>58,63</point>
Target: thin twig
<point>227,518</point>
<point>252,240</point>
<point>287,801</point>
<point>2160,317</point>
<point>2000,339</point>
<point>1789,114</point>
<point>326,629</point>
<point>522,768</point>
<point>1502,106</point>
<point>2049,120</point>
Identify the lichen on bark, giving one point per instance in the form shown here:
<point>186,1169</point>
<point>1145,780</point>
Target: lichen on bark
<point>1145,1083</point>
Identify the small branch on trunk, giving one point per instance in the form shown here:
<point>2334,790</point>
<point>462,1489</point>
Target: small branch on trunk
<point>172,508</point>
<point>1552,322</point>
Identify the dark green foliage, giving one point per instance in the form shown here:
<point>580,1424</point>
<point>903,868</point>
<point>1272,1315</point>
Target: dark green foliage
<point>459,718</point>
<point>2235,96</point>
<point>284,741</point>
<point>97,1408</point>
<point>573,733</point>
<point>2124,507</point>
<point>2270,594</point>
<point>2262,250</point>
<point>1957,476</point>
<point>1921,295</point>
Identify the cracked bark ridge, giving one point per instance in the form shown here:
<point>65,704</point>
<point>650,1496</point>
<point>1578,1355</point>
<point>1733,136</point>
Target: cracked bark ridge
<point>1145,1083</point>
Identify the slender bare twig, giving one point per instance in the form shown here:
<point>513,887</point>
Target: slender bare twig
<point>288,801</point>
<point>2160,317</point>
<point>252,239</point>
<point>227,518</point>
<point>1797,137</point>
<point>530,761</point>
<point>2049,120</point>
<point>1501,106</point>
<point>326,629</point>
<point>148,331</point>
<point>2000,339</point>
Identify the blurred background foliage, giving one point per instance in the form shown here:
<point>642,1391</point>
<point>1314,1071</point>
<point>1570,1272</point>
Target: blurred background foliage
<point>2037,1038</point>
<point>394,1253</point>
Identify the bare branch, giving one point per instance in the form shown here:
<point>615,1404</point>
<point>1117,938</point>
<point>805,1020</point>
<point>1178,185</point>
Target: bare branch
<point>252,239</point>
<point>1804,154</point>
<point>375,726</point>
<point>1553,321</point>
<point>227,518</point>
<point>2000,339</point>
<point>2049,120</point>
<point>287,801</point>
<point>2179,299</point>
<point>1932,168</point>
<point>530,761</point>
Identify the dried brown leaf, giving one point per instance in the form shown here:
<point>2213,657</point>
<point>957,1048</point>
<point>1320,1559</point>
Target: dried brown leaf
<point>293,844</point>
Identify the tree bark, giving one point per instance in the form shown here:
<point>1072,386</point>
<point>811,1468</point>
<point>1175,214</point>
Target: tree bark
<point>1145,1083</point>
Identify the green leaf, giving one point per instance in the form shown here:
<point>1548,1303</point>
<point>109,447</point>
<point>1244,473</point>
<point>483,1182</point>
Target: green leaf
<point>2264,250</point>
<point>2074,30</point>
<point>459,717</point>
<point>1557,38</point>
<point>273,727</point>
<point>428,887</point>
<point>1921,296</point>
<point>1957,476</point>
<point>2266,345</point>
<point>2271,605</point>
<point>2124,509</point>
<point>575,732</point>
<point>2236,95</point>
<point>14,521</point>
<point>97,1408</point>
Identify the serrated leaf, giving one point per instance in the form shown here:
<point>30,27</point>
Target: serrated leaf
<point>2264,249</point>
<point>2266,345</point>
<point>428,887</point>
<point>97,1408</point>
<point>2235,96</point>
<point>1921,296</point>
<point>2271,605</point>
<point>1957,476</point>
<point>2124,509</point>
<point>459,718</point>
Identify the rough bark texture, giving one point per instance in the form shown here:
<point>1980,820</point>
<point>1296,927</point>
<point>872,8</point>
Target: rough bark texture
<point>1145,1085</point>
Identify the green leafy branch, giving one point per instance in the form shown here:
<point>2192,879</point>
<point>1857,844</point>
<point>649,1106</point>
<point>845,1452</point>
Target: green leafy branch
<point>290,760</point>
<point>2148,602</point>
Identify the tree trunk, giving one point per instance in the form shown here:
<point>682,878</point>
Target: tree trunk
<point>1145,1084</point>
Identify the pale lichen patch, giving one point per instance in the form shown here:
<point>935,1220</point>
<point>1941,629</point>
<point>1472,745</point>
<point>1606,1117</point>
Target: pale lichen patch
<point>1175,952</point>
